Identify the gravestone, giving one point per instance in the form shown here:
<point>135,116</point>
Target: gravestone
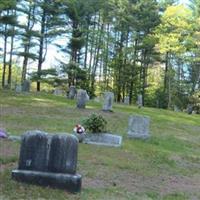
<point>139,101</point>
<point>138,127</point>
<point>58,92</point>
<point>49,160</point>
<point>108,101</point>
<point>72,92</point>
<point>82,98</point>
<point>127,100</point>
<point>18,88</point>
<point>26,86</point>
<point>63,154</point>
<point>189,109</point>
<point>105,139</point>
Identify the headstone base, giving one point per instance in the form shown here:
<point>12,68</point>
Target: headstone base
<point>71,183</point>
<point>139,136</point>
<point>104,139</point>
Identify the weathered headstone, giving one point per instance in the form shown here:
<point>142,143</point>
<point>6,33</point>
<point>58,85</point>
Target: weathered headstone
<point>139,101</point>
<point>3,134</point>
<point>82,98</point>
<point>58,92</point>
<point>72,92</point>
<point>108,101</point>
<point>33,152</point>
<point>18,88</point>
<point>127,100</point>
<point>138,127</point>
<point>63,154</point>
<point>176,108</point>
<point>26,86</point>
<point>189,109</point>
<point>49,160</point>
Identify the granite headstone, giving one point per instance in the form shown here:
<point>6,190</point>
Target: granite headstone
<point>82,98</point>
<point>26,86</point>
<point>72,92</point>
<point>138,127</point>
<point>49,160</point>
<point>108,101</point>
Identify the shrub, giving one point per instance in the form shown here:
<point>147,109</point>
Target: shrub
<point>95,123</point>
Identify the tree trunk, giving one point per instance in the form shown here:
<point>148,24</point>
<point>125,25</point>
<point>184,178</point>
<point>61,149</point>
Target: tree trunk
<point>4,57</point>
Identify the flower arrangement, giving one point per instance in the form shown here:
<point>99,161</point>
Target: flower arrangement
<point>79,129</point>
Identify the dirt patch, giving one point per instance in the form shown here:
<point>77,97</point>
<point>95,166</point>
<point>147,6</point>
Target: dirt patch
<point>8,148</point>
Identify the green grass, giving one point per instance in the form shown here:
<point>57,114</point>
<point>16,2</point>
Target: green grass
<point>167,166</point>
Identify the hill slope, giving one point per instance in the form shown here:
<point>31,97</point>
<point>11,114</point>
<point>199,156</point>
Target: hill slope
<point>165,167</point>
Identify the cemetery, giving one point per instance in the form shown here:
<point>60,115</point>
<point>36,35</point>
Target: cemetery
<point>142,153</point>
<point>99,100</point>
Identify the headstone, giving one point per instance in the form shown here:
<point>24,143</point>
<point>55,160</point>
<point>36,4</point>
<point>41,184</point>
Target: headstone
<point>33,152</point>
<point>82,98</point>
<point>26,86</point>
<point>108,101</point>
<point>139,101</point>
<point>127,100</point>
<point>58,92</point>
<point>49,160</point>
<point>189,109</point>
<point>104,139</point>
<point>18,88</point>
<point>72,92</point>
<point>63,154</point>
<point>176,108</point>
<point>138,127</point>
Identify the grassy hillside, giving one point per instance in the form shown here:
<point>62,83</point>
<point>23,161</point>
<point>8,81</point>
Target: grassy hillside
<point>167,166</point>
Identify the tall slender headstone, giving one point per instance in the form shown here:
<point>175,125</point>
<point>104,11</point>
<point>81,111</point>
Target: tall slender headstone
<point>72,92</point>
<point>138,127</point>
<point>82,98</point>
<point>108,101</point>
<point>49,160</point>
<point>139,101</point>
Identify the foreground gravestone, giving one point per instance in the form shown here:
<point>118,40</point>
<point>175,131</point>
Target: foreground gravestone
<point>108,101</point>
<point>26,86</point>
<point>104,139</point>
<point>49,161</point>
<point>72,92</point>
<point>82,98</point>
<point>138,127</point>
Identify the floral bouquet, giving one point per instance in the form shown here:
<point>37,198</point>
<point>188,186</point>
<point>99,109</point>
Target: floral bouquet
<point>79,132</point>
<point>79,129</point>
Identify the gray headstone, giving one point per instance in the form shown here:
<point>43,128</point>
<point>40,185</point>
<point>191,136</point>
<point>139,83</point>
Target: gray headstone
<point>189,109</point>
<point>127,100</point>
<point>108,101</point>
<point>26,86</point>
<point>82,98</point>
<point>49,160</point>
<point>105,139</point>
<point>176,108</point>
<point>139,101</point>
<point>72,92</point>
<point>33,152</point>
<point>58,92</point>
<point>138,127</point>
<point>63,154</point>
<point>18,88</point>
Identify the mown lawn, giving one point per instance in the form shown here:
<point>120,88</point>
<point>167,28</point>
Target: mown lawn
<point>167,166</point>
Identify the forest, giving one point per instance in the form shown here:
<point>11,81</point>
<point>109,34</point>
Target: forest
<point>129,47</point>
